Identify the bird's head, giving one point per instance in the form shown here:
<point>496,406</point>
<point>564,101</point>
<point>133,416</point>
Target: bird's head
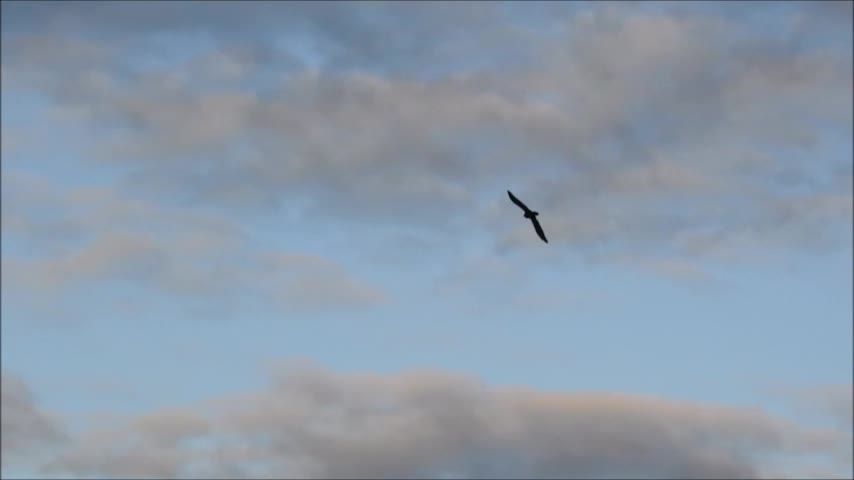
<point>531,214</point>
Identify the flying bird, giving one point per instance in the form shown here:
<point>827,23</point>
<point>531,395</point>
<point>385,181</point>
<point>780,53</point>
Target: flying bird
<point>529,214</point>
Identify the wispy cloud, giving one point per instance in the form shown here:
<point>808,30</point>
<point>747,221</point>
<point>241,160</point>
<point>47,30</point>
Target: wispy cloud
<point>91,237</point>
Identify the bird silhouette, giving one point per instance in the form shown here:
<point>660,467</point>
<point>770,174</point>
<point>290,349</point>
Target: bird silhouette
<point>529,214</point>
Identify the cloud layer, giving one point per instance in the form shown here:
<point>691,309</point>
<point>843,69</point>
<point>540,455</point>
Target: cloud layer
<point>640,133</point>
<point>313,423</point>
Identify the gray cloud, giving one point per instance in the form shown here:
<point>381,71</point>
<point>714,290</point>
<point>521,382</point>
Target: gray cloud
<point>312,423</point>
<point>639,134</point>
<point>27,430</point>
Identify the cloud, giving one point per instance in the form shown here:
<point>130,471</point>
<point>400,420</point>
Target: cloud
<point>313,423</point>
<point>834,401</point>
<point>316,281</point>
<point>27,430</point>
<point>632,130</point>
<point>839,402</point>
<point>89,237</point>
<point>677,270</point>
<point>831,405</point>
<point>373,35</point>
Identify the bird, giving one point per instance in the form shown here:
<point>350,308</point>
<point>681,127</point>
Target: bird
<point>529,214</point>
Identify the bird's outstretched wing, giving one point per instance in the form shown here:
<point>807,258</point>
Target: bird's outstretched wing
<point>518,202</point>
<point>539,229</point>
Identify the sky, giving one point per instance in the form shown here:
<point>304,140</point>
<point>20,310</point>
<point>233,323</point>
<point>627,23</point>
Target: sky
<point>273,240</point>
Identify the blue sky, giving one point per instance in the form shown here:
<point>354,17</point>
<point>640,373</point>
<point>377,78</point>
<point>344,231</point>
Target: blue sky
<point>214,210</point>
